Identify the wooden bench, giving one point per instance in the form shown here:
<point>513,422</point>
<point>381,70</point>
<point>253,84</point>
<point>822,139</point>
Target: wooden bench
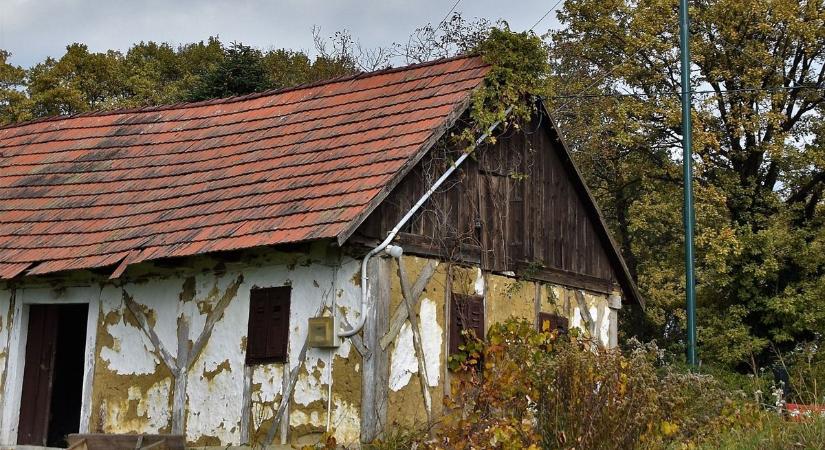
<point>126,442</point>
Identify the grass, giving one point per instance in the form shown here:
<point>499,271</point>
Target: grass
<point>771,433</point>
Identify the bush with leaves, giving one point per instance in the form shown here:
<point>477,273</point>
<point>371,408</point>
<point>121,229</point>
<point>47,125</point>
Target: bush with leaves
<point>523,388</point>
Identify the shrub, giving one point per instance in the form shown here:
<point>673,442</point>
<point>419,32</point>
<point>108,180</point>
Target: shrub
<point>805,366</point>
<point>526,389</point>
<point>539,389</point>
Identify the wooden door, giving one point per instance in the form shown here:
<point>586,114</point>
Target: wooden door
<point>38,375</point>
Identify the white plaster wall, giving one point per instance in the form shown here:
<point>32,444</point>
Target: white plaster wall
<point>215,401</point>
<point>214,406</point>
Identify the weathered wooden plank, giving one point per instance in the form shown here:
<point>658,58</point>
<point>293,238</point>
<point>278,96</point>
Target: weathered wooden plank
<point>448,289</point>
<point>246,405</point>
<point>289,381</point>
<point>375,366</point>
<point>566,278</point>
<point>179,396</point>
<point>547,218</point>
<point>126,441</point>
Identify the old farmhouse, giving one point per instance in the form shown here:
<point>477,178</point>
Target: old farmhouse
<point>230,270</point>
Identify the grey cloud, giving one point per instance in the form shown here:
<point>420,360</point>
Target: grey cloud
<point>34,29</point>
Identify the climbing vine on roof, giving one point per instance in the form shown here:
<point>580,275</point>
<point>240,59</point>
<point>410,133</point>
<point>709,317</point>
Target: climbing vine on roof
<point>519,69</point>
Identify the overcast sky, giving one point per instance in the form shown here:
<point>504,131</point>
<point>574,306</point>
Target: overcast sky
<point>34,29</point>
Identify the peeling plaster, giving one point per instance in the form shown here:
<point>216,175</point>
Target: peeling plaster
<point>403,363</point>
<point>214,387</point>
<point>138,359</point>
<point>154,407</point>
<point>346,420</point>
<point>599,309</point>
<point>576,319</point>
<point>402,360</point>
<point>308,389</point>
<point>604,324</point>
<point>132,387</point>
<point>479,283</point>
<point>432,337</point>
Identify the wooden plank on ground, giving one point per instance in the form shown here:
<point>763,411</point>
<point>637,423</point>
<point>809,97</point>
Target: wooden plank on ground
<point>126,441</point>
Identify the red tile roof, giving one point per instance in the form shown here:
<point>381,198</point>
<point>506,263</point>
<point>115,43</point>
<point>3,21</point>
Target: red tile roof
<point>281,167</point>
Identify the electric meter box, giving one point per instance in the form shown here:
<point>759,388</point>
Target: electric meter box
<point>323,332</point>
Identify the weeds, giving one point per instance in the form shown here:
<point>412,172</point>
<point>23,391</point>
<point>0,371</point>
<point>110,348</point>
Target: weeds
<point>537,389</point>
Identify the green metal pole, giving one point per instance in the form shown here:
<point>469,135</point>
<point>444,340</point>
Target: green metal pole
<point>687,159</point>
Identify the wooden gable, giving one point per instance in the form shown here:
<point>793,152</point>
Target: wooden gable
<point>518,205</point>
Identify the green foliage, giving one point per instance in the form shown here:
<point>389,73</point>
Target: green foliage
<point>13,101</point>
<point>77,82</point>
<point>519,65</point>
<point>240,71</point>
<point>151,73</point>
<point>770,432</point>
<point>759,166</point>
<point>159,74</point>
<point>544,390</point>
<point>541,390</point>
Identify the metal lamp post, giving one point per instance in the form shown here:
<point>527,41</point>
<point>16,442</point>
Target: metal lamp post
<point>687,161</point>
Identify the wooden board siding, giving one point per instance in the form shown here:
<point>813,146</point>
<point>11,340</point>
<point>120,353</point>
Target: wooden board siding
<point>515,206</point>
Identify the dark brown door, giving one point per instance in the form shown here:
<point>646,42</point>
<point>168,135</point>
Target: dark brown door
<point>38,375</point>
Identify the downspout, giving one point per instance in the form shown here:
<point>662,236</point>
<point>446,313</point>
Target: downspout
<point>396,251</point>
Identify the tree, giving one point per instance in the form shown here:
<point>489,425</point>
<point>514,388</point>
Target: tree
<point>153,73</point>
<point>241,71</point>
<point>14,104</point>
<point>758,156</point>
<point>79,81</point>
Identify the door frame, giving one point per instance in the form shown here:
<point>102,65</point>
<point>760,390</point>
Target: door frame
<point>16,358</point>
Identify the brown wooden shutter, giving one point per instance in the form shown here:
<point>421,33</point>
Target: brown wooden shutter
<point>554,322</point>
<point>268,333</point>
<point>466,313</point>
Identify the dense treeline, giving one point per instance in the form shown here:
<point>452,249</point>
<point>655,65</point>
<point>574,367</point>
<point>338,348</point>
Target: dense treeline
<point>150,73</point>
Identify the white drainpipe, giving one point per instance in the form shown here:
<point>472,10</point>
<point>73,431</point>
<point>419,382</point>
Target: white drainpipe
<point>396,251</point>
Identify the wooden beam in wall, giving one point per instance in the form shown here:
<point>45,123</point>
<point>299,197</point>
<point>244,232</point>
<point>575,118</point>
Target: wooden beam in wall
<point>565,278</point>
<point>375,364</point>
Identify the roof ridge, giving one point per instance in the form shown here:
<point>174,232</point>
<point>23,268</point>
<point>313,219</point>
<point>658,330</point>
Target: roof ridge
<point>239,98</point>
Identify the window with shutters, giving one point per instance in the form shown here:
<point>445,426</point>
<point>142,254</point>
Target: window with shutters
<point>466,313</point>
<point>268,333</point>
<point>550,322</point>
